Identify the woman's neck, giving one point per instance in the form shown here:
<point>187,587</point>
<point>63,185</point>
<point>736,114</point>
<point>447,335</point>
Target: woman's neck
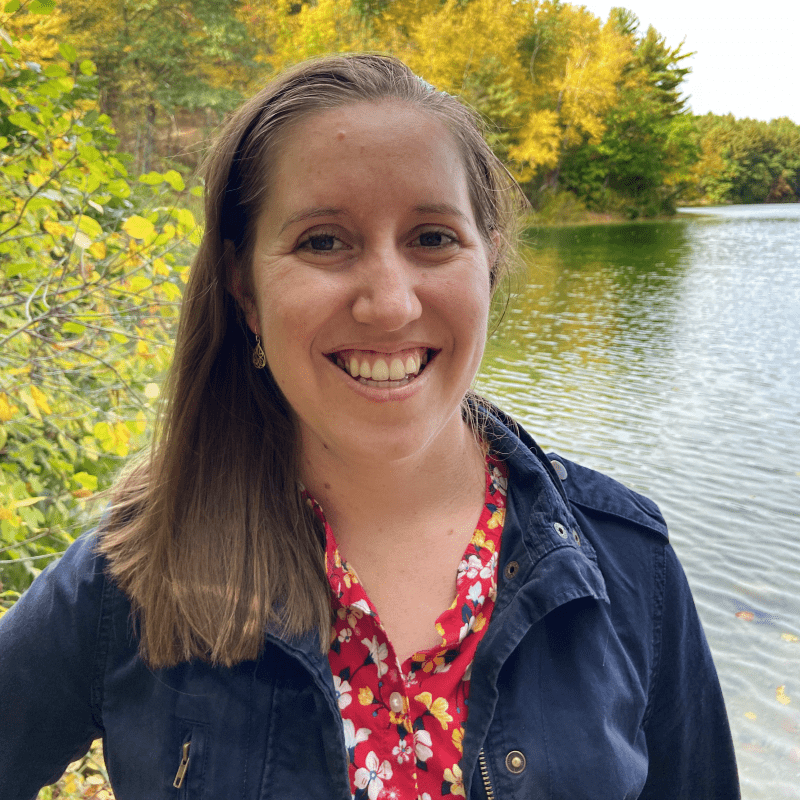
<point>386,499</point>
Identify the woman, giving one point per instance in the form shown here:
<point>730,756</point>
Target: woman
<point>267,609</point>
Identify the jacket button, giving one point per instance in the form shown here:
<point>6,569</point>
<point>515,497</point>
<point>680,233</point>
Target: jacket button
<point>576,536</point>
<point>512,568</point>
<point>559,469</point>
<point>515,762</point>
<point>560,530</point>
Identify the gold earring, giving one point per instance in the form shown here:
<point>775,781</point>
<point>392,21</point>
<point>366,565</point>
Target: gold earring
<point>259,357</point>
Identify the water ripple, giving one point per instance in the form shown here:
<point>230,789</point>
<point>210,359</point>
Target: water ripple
<point>668,355</point>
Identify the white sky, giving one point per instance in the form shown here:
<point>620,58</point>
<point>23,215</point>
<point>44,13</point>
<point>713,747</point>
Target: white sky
<point>747,55</point>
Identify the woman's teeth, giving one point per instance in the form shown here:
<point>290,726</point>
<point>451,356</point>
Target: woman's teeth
<point>384,372</point>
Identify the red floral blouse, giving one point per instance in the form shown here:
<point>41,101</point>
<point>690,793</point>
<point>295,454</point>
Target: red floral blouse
<point>404,723</point>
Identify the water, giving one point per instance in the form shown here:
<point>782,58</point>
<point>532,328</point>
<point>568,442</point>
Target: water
<point>668,355</point>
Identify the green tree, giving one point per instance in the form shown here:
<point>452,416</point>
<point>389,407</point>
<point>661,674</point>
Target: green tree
<point>747,161</point>
<point>155,57</point>
<point>641,164</point>
<point>91,266</point>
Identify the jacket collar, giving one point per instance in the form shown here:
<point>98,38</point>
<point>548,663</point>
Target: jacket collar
<point>545,562</point>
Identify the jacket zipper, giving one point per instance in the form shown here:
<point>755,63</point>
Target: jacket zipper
<point>183,766</point>
<point>487,784</point>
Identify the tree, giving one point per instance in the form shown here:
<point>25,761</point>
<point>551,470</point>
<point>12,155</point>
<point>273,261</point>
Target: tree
<point>157,56</point>
<point>91,265</point>
<point>747,161</point>
<point>641,163</point>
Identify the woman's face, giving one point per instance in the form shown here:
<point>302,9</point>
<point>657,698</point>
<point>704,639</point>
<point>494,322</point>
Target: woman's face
<point>370,281</point>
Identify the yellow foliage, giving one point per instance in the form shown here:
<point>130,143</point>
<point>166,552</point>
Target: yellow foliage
<point>40,398</point>
<point>543,73</point>
<point>36,35</point>
<point>7,409</point>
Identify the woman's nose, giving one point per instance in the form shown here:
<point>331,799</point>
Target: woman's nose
<point>387,292</point>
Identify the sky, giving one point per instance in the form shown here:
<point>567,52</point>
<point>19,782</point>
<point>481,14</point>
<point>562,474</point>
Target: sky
<point>746,60</point>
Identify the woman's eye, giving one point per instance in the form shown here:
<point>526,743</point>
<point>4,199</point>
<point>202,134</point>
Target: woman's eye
<point>434,239</point>
<point>321,243</point>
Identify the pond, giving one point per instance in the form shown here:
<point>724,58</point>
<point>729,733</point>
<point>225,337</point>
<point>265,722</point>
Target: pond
<point>667,354</point>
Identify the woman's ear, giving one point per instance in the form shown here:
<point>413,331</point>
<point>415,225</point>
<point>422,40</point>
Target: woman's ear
<point>236,286</point>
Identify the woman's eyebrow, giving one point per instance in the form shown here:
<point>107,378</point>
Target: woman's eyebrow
<point>311,213</point>
<point>425,208</point>
<point>440,208</point>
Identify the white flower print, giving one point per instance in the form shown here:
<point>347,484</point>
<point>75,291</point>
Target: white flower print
<point>402,751</point>
<point>372,775</point>
<point>422,745</point>
<point>345,634</point>
<point>342,689</point>
<point>353,737</point>
<point>465,629</point>
<point>475,595</point>
<point>499,482</point>
<point>473,567</point>
<point>488,571</point>
<point>362,605</point>
<point>379,653</point>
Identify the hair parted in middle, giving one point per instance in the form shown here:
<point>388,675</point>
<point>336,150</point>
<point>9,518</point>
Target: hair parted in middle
<point>209,534</point>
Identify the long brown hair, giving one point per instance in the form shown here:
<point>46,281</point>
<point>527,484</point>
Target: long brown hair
<point>209,535</point>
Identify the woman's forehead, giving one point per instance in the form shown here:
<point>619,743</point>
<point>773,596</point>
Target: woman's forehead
<point>385,151</point>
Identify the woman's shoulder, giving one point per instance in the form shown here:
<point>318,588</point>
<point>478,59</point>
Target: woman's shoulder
<point>599,494</point>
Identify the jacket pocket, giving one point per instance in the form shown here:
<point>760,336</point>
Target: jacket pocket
<point>190,756</point>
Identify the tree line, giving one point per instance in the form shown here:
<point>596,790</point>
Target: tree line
<point>104,107</point>
<point>575,104</point>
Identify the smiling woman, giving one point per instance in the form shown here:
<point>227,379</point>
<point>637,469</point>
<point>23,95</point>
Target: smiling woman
<point>339,573</point>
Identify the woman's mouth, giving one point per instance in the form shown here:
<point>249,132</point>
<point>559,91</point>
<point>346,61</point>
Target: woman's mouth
<point>383,370</point>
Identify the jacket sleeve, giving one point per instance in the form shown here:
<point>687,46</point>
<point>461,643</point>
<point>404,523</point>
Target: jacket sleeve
<point>51,673</point>
<point>686,726</point>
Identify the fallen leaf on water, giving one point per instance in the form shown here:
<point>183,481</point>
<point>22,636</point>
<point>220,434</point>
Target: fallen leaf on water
<point>750,715</point>
<point>748,616</point>
<point>781,696</point>
<point>790,637</point>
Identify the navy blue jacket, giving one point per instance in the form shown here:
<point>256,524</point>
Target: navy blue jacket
<point>594,679</point>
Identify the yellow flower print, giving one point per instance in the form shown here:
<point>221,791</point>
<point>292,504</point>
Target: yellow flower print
<point>456,781</point>
<point>365,696</point>
<point>479,538</point>
<point>497,519</point>
<point>458,739</point>
<point>437,708</point>
<point>431,663</point>
<point>480,621</point>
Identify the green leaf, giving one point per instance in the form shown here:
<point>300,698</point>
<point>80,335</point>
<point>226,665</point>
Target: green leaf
<point>86,480</point>
<point>87,67</point>
<point>152,178</point>
<point>42,6</point>
<point>91,227</point>
<point>8,98</point>
<point>118,188</point>
<point>68,52</point>
<point>11,6</point>
<point>174,179</point>
<point>55,71</point>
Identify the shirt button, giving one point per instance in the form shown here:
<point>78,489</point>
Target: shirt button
<point>396,702</point>
<point>560,469</point>
<point>515,762</point>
